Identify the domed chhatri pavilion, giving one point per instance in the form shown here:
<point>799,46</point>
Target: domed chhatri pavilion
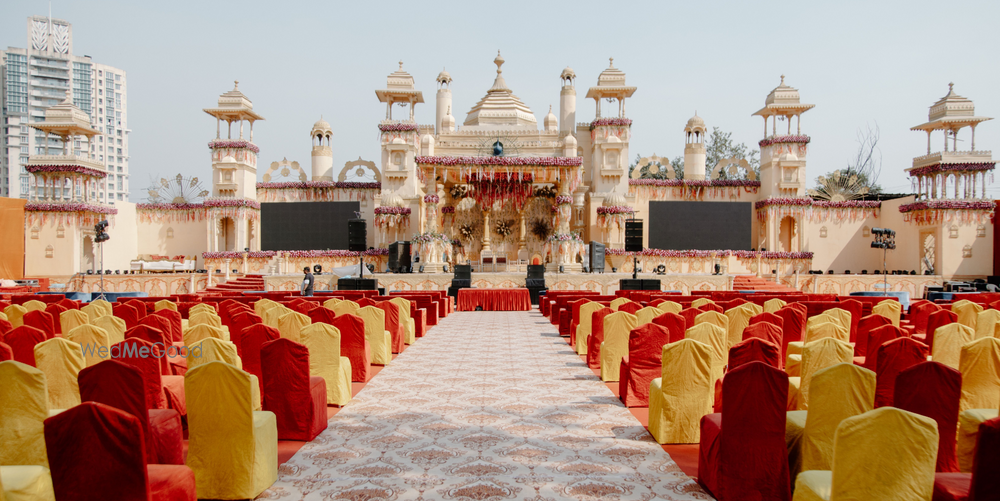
<point>501,191</point>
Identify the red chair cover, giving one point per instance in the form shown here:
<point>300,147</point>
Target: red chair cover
<point>689,315</point>
<point>121,386</point>
<point>919,314</point>
<point>865,325</point>
<point>596,337</point>
<point>742,455</point>
<point>6,353</point>
<point>22,341</point>
<point>984,481</point>
<point>754,349</point>
<point>764,330</point>
<point>174,323</point>
<point>254,338</point>
<point>643,363</point>
<point>55,309</point>
<point>142,307</point>
<point>675,324</point>
<point>5,327</point>
<point>130,351</point>
<point>894,357</point>
<point>69,304</point>
<point>157,338</point>
<point>793,327</point>
<point>354,345</point>
<point>575,319</point>
<point>768,317</point>
<point>711,307</point>
<point>297,400</point>
<point>322,315</point>
<point>856,308</point>
<point>630,307</point>
<point>42,321</point>
<point>126,312</point>
<point>937,319</point>
<point>392,324</point>
<point>875,339</point>
<point>97,452</point>
<point>933,389</point>
<point>239,324</point>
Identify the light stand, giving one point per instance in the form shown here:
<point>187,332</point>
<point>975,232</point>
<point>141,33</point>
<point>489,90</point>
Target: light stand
<point>100,237</point>
<point>885,239</point>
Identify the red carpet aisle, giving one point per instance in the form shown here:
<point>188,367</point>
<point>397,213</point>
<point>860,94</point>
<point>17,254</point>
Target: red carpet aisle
<point>491,405</point>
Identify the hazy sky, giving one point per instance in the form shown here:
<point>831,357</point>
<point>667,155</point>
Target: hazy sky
<point>860,62</point>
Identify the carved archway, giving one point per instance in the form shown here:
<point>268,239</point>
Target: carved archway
<point>735,168</point>
<point>650,164</point>
<point>359,166</point>
<point>286,167</point>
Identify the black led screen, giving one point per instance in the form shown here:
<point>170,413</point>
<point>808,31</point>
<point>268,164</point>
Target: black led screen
<point>700,225</point>
<point>305,225</point>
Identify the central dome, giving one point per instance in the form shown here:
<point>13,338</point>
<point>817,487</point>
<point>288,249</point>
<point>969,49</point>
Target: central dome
<point>500,108</point>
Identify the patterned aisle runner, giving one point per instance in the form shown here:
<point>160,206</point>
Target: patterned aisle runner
<point>490,405</point>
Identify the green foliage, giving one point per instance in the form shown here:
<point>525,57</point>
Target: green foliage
<point>720,146</point>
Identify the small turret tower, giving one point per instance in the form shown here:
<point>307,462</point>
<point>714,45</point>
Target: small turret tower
<point>443,100</point>
<point>567,102</point>
<point>322,152</point>
<point>694,148</point>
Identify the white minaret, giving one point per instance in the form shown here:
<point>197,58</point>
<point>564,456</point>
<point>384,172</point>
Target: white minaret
<point>567,102</point>
<point>322,153</point>
<point>443,99</point>
<point>694,148</point>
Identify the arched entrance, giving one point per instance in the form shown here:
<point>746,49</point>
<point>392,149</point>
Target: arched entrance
<point>227,234</point>
<point>88,262</point>
<point>786,235</point>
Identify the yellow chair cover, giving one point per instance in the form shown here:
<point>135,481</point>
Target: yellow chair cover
<point>795,427</point>
<point>212,349</point>
<point>91,339</point>
<point>330,303</point>
<point>646,315</point>
<point>263,305</point>
<point>617,327</point>
<point>323,341</point>
<point>164,304</point>
<point>25,405</point>
<point>754,307</point>
<point>410,326</point>
<point>988,324</point>
<point>15,313</point>
<point>968,432</point>
<point>26,483</point>
<point>114,326</point>
<point>842,316</point>
<point>3,316</point>
<point>379,339</point>
<point>61,360</point>
<point>585,327</point>
<point>197,333</point>
<point>739,319</point>
<point>948,342</point>
<point>206,318</point>
<point>201,307</point>
<point>684,393</point>
<point>345,307</point>
<point>93,311</point>
<point>885,454</point>
<point>618,302</point>
<point>291,323</point>
<point>104,305</point>
<point>714,318</point>
<point>773,305</point>
<point>815,332</point>
<point>715,338</point>
<point>670,307</point>
<point>272,315</point>
<point>817,355</point>
<point>698,303</point>
<point>838,392</point>
<point>232,449</point>
<point>71,319</point>
<point>980,367</point>
<point>890,309</point>
<point>967,311</point>
<point>33,305</point>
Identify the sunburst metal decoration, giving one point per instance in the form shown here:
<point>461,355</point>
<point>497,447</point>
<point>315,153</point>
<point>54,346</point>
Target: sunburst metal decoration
<point>180,190</point>
<point>498,145</point>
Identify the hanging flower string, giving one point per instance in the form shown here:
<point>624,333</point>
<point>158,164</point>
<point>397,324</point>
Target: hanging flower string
<point>81,214</point>
<point>793,139</point>
<point>319,191</point>
<point>388,217</point>
<point>960,167</point>
<point>491,187</point>
<point>614,216</point>
<point>936,211</point>
<point>65,169</point>
<point>662,189</point>
<point>233,144</point>
<point>236,208</point>
<point>431,199</point>
<point>447,210</point>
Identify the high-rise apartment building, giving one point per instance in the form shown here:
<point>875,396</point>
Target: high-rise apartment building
<point>40,76</point>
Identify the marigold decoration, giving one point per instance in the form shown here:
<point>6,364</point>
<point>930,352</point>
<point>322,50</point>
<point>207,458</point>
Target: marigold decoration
<point>492,187</point>
<point>60,169</point>
<point>81,214</point>
<point>937,211</point>
<point>233,144</point>
<point>794,139</point>
<point>431,199</point>
<point>389,217</point>
<point>960,167</point>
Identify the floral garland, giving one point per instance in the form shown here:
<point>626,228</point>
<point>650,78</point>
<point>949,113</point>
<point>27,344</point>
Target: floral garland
<point>70,207</point>
<point>447,210</point>
<point>60,169</point>
<point>847,204</point>
<point>393,210</point>
<point>613,122</point>
<point>615,209</point>
<point>320,191</point>
<point>431,199</point>
<point>79,213</point>
<point>231,202</point>
<point>564,200</point>
<point>565,237</point>
<point>693,182</point>
<point>388,217</point>
<point>960,167</point>
<point>219,144</point>
<point>741,254</point>
<point>236,208</point>
<point>768,141</point>
<point>695,189</point>
<point>301,185</point>
<point>789,206</point>
<point>492,187</point>
<point>431,237</point>
<point>782,201</point>
<point>502,161</point>
<point>614,216</point>
<point>948,205</point>
<point>293,254</point>
<point>401,127</point>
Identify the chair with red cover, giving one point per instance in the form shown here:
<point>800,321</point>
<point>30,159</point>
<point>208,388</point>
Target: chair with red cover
<point>97,452</point>
<point>596,337</point>
<point>754,349</point>
<point>933,389</point>
<point>55,309</point>
<point>157,338</point>
<point>919,314</point>
<point>393,323</point>
<point>5,327</point>
<point>22,341</point>
<point>793,326</point>
<point>126,312</point>
<point>6,353</point>
<point>711,307</point>
<point>69,304</point>
<point>675,324</point>
<point>689,314</point>
<point>40,320</point>
<point>630,307</point>
<point>865,325</point>
<point>894,357</point>
<point>354,345</point>
<point>239,324</point>
<point>771,318</point>
<point>322,315</point>
<point>121,386</point>
<point>297,400</point>
<point>643,363</point>
<point>254,338</point>
<point>742,455</point>
<point>130,351</point>
<point>174,323</point>
<point>984,480</point>
<point>937,319</point>
<point>875,339</point>
<point>764,330</point>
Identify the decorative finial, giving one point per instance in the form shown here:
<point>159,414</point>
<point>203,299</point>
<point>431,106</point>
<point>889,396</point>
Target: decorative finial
<point>782,80</point>
<point>550,108</point>
<point>400,65</point>
<point>951,86</point>
<point>611,62</point>
<point>499,62</point>
<point>69,96</point>
<point>236,85</point>
<point>449,110</point>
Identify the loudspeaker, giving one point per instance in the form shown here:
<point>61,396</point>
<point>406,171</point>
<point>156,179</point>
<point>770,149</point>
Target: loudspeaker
<point>535,282</point>
<point>597,256</point>
<point>536,271</point>
<point>633,235</point>
<point>461,283</point>
<point>357,284</point>
<point>357,235</point>
<point>399,257</point>
<point>464,271</point>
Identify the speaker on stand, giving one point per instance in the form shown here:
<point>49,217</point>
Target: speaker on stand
<point>596,257</point>
<point>357,239</point>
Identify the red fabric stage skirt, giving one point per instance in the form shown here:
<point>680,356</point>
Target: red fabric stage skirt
<point>494,299</point>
